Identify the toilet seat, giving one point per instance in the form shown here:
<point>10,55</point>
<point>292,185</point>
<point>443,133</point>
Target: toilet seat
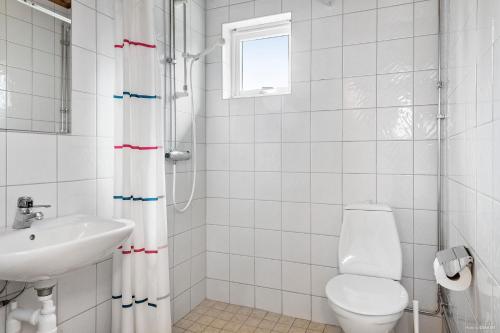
<point>367,295</point>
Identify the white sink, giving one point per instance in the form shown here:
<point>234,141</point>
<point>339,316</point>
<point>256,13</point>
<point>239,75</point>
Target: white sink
<point>55,246</point>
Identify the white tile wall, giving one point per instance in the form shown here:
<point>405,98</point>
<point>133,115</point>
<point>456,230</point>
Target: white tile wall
<point>76,173</point>
<point>358,125</point>
<point>270,214</point>
<point>187,231</point>
<point>471,181</point>
<point>29,58</point>
<point>64,171</point>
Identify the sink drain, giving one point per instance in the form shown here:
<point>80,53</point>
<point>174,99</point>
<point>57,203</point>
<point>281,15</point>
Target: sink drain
<point>32,237</point>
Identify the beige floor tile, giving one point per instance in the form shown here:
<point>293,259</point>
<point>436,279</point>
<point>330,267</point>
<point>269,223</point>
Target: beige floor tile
<point>245,310</point>
<point>217,317</point>
<point>262,330</point>
<point>218,323</point>
<point>176,329</point>
<point>184,324</point>
<point>239,318</point>
<point>193,316</point>
<point>267,324</point>
<point>302,323</point>
<point>297,330</point>
<point>201,306</point>
<point>210,329</point>
<point>226,315</point>
<point>213,312</point>
<point>286,320</point>
<point>232,326</point>
<point>317,327</point>
<point>282,328</point>
<point>196,328</point>
<point>253,322</point>
<point>233,308</point>
<point>332,329</point>
<point>207,302</point>
<point>201,309</point>
<point>220,305</point>
<point>272,316</point>
<point>205,320</point>
<point>258,313</point>
<point>246,329</point>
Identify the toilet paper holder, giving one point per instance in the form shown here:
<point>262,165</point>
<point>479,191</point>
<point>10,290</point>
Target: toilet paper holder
<point>454,260</point>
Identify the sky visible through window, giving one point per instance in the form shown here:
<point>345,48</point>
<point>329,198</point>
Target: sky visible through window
<point>264,63</point>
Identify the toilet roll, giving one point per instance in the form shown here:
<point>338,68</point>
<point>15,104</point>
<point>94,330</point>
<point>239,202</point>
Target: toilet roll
<point>460,283</point>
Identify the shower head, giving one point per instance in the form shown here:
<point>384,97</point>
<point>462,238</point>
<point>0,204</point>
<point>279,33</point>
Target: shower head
<point>197,56</point>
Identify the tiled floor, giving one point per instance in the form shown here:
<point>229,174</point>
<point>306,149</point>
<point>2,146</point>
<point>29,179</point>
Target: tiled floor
<point>217,317</point>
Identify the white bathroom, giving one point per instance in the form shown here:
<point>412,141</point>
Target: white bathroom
<point>253,166</point>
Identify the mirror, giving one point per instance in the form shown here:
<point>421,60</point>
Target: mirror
<point>35,65</point>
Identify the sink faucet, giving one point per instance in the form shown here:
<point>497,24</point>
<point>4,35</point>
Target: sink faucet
<point>25,215</point>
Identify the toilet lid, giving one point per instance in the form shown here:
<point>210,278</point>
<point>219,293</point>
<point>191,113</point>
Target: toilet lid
<point>367,295</point>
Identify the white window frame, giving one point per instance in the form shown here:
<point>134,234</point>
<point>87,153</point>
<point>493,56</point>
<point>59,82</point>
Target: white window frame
<point>237,33</point>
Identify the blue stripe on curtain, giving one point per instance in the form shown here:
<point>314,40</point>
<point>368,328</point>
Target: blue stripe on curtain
<point>137,302</point>
<point>132,95</point>
<point>126,306</point>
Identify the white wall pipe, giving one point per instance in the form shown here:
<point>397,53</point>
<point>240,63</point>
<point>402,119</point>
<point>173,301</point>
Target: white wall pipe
<point>416,328</point>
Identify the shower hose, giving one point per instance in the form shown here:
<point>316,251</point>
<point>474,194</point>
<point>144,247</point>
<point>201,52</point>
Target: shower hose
<point>194,155</point>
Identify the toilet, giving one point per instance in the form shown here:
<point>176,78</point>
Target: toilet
<point>366,296</point>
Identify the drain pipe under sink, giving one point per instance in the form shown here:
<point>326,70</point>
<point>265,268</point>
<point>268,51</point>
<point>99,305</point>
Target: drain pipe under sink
<point>44,319</point>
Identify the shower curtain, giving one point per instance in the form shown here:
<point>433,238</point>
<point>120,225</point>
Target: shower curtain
<point>141,295</point>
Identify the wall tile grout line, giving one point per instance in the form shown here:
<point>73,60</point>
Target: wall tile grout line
<point>381,175</point>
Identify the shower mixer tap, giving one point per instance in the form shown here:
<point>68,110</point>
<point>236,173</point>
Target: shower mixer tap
<point>178,155</point>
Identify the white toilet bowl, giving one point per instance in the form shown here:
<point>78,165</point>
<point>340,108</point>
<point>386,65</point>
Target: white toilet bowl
<point>365,304</point>
<point>367,297</point>
<point>355,323</point>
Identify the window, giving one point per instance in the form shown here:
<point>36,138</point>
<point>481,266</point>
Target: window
<point>256,57</point>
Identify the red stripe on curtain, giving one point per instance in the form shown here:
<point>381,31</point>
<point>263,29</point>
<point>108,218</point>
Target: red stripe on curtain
<point>137,147</point>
